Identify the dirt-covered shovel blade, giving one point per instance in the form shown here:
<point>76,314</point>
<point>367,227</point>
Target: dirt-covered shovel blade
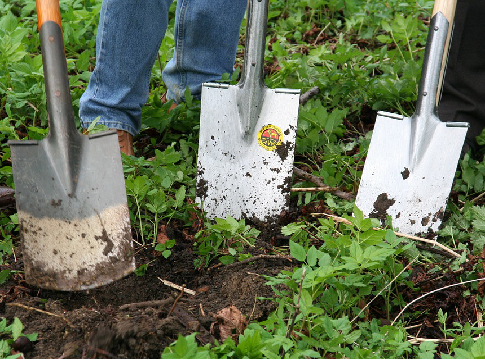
<point>70,190</point>
<point>247,138</point>
<point>412,161</point>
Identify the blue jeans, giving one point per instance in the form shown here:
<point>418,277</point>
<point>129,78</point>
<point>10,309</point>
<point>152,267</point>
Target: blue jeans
<point>129,36</point>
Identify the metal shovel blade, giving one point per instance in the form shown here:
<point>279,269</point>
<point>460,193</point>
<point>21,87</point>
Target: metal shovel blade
<point>247,138</point>
<point>246,176</point>
<point>70,193</point>
<point>412,161</point>
<point>79,237</point>
<point>414,196</point>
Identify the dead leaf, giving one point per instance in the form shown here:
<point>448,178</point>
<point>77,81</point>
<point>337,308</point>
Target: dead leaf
<point>229,322</point>
<point>162,236</point>
<point>203,289</point>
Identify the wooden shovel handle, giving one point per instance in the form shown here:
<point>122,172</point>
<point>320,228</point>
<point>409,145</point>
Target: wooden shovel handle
<point>447,8</point>
<point>48,10</point>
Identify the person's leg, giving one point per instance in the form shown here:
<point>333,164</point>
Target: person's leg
<point>127,43</point>
<point>206,38</point>
<point>463,96</point>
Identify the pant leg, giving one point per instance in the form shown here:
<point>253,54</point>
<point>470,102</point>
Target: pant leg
<point>206,38</point>
<point>464,86</point>
<point>129,36</point>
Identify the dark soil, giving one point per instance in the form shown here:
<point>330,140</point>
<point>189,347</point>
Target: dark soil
<point>138,316</point>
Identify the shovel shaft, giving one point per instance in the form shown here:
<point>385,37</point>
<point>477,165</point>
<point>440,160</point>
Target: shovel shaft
<point>255,43</point>
<point>432,66</point>
<point>250,98</point>
<point>62,126</point>
<point>64,141</point>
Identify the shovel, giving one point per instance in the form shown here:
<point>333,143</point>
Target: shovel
<point>70,190</point>
<point>247,137</point>
<point>412,161</point>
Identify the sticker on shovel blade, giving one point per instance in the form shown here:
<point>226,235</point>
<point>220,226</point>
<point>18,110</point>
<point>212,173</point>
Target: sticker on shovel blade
<point>269,137</point>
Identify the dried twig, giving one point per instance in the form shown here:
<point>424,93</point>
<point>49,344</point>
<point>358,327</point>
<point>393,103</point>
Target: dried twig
<point>314,189</point>
<point>432,292</point>
<point>416,340</point>
<point>308,95</point>
<point>41,311</point>
<point>473,200</point>
<point>145,304</point>
<point>317,181</point>
<point>254,307</point>
<point>176,301</point>
<point>411,237</point>
<point>432,242</point>
<point>178,287</point>
<point>202,312</point>
<point>432,249</point>
<point>101,352</point>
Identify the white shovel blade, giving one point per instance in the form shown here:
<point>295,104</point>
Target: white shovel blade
<point>413,194</point>
<point>246,176</point>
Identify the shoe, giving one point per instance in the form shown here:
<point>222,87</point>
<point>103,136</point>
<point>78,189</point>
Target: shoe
<point>125,139</point>
<point>163,100</point>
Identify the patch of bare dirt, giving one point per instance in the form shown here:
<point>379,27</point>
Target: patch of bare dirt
<point>138,316</point>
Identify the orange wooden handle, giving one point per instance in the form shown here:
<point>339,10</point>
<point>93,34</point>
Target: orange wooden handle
<point>48,10</point>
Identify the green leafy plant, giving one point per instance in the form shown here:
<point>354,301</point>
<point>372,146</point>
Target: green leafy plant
<point>227,237</point>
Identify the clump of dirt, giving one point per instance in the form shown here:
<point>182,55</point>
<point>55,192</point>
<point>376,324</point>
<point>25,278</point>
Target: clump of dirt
<point>382,203</point>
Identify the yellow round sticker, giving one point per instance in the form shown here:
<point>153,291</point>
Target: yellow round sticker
<point>269,137</point>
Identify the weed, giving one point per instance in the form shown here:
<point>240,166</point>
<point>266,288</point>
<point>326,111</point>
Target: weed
<point>227,236</point>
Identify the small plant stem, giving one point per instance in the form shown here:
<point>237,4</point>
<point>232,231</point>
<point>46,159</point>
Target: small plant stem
<point>159,63</point>
<point>432,292</point>
<point>139,219</point>
<point>313,235</point>
<point>297,309</point>
<point>155,230</point>
<point>384,288</point>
